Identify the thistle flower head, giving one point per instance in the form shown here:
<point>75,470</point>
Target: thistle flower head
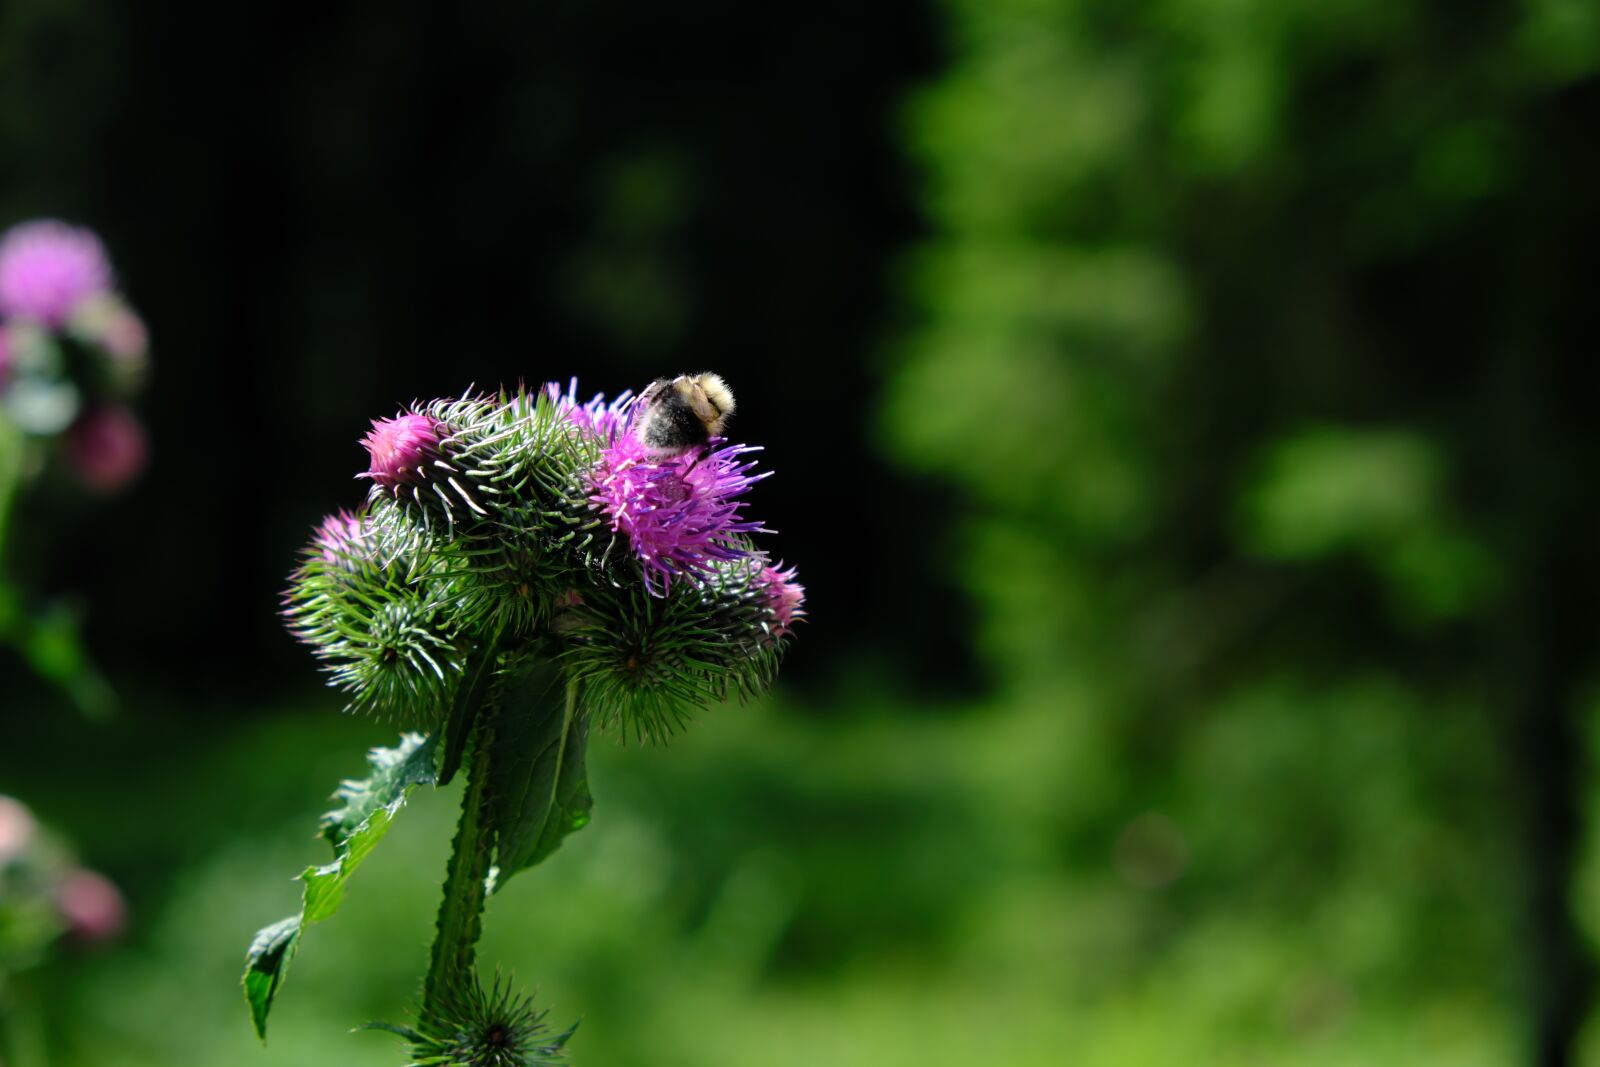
<point>47,268</point>
<point>646,662</point>
<point>598,416</point>
<point>785,598</point>
<point>379,616</point>
<point>337,537</point>
<point>402,448</point>
<point>492,1027</point>
<point>680,513</point>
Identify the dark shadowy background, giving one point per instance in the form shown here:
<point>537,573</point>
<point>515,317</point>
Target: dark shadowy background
<point>327,213</point>
<point>1182,418</point>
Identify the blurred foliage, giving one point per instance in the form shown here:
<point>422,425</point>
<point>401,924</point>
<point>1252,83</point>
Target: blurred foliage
<point>1224,341</point>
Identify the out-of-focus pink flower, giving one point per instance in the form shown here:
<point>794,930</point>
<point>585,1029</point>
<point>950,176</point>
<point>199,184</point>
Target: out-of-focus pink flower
<point>92,907</point>
<point>401,450</point>
<point>47,268</point>
<point>126,336</point>
<point>108,321</point>
<point>107,447</point>
<point>17,829</point>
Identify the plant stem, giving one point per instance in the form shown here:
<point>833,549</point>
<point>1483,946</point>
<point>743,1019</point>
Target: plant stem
<point>460,924</point>
<point>10,475</point>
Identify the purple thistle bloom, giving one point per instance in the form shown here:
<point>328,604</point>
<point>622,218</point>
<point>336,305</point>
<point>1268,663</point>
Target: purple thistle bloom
<point>400,449</point>
<point>48,268</point>
<point>598,416</point>
<point>786,598</point>
<point>679,512</point>
<point>337,537</point>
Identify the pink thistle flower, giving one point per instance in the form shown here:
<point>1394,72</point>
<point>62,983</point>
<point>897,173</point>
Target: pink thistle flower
<point>107,448</point>
<point>680,513</point>
<point>598,416</point>
<point>92,907</point>
<point>48,268</point>
<point>338,537</point>
<point>786,598</point>
<point>401,450</point>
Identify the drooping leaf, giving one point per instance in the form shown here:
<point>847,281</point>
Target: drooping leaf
<point>265,966</point>
<point>368,807</point>
<point>538,779</point>
<point>470,696</point>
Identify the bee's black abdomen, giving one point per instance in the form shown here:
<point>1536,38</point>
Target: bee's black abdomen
<point>672,425</point>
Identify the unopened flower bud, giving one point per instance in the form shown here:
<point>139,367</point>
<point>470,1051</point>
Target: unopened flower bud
<point>401,449</point>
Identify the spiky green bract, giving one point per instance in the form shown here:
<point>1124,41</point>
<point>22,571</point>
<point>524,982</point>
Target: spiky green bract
<point>521,462</point>
<point>646,662</point>
<point>492,1027</point>
<point>376,610</point>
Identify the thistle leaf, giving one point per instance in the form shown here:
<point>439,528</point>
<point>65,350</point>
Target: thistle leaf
<point>265,966</point>
<point>474,690</point>
<point>539,783</point>
<point>354,829</point>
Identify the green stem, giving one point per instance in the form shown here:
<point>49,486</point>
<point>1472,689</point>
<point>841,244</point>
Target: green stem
<point>460,924</point>
<point>10,475</point>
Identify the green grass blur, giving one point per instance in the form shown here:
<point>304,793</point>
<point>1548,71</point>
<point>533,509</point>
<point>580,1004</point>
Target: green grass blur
<point>887,887</point>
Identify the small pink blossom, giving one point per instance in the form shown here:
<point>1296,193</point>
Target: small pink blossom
<point>785,597</point>
<point>401,448</point>
<point>92,907</point>
<point>337,536</point>
<point>48,268</point>
<point>107,448</point>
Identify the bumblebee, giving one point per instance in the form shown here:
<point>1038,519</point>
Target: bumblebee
<point>680,413</point>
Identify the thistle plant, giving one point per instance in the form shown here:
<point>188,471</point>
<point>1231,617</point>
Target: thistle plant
<point>72,354</point>
<point>524,570</point>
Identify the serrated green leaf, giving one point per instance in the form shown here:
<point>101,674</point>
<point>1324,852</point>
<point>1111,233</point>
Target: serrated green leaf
<point>265,966</point>
<point>539,783</point>
<point>354,829</point>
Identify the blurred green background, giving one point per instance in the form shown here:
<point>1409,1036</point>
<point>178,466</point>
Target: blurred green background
<point>1183,418</point>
